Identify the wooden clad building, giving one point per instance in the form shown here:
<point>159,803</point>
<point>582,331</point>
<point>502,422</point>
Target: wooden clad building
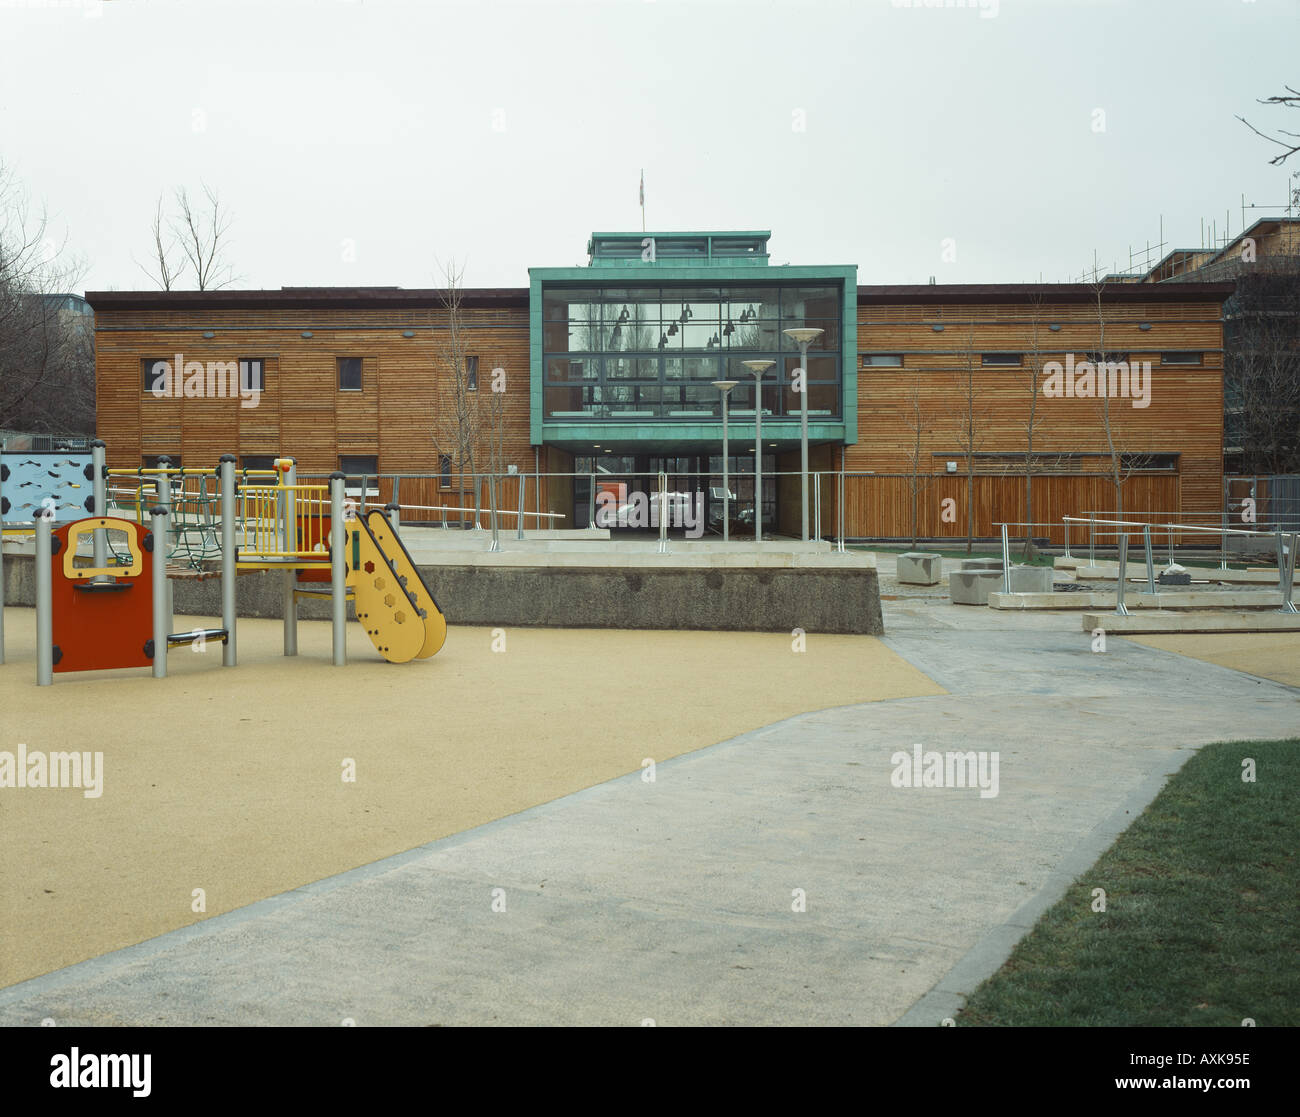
<point>611,368</point>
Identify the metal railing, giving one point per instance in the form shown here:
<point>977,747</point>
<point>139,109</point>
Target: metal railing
<point>286,522</point>
<point>1284,544</point>
<point>485,489</point>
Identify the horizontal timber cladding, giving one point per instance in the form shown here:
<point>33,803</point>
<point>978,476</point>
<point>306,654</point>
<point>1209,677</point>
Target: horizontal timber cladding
<point>401,414</point>
<point>943,402</point>
<point>880,506</point>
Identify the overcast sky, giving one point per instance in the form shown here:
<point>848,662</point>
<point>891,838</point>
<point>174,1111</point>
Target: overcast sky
<point>361,142</point>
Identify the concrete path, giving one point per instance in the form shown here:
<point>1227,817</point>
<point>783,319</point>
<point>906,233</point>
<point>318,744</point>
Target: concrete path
<point>676,900</point>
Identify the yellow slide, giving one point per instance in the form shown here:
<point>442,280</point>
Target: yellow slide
<point>393,604</point>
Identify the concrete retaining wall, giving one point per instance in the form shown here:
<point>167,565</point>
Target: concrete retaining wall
<point>730,598</point>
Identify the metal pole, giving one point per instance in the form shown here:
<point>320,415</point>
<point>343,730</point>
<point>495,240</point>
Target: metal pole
<point>492,512</point>
<point>663,513</point>
<point>1223,528</point>
<point>99,487</point>
<point>1092,538</point>
<point>1006,561</point>
<point>758,459</point>
<point>44,604</point>
<point>290,608</point>
<point>803,439</point>
<point>163,492</point>
<point>840,502</point>
<point>477,502</point>
<point>1286,571</point>
<point>591,503</point>
<point>726,476</point>
<point>394,512</point>
<point>523,503</point>
<point>1151,564</point>
<point>817,504</point>
<point>161,621</point>
<point>228,556</point>
<point>1067,539</point>
<point>338,571</point>
<point>1120,609</point>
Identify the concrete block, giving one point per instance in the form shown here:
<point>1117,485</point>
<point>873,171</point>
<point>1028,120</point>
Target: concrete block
<point>1031,579</point>
<point>771,593</point>
<point>981,564</point>
<point>1195,599</point>
<point>1060,601</point>
<point>920,568</point>
<point>972,587</point>
<point>1157,621</point>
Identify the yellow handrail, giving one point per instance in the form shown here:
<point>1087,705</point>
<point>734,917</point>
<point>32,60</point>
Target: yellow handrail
<point>266,517</point>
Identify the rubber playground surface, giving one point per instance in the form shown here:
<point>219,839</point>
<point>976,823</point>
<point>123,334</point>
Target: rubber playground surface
<point>1270,655</point>
<point>231,780</point>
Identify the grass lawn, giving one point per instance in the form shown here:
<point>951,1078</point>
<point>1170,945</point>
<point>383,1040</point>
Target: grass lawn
<point>1202,919</point>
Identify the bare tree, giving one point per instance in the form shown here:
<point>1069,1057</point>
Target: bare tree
<point>161,269</point>
<point>969,420</point>
<point>202,233</point>
<point>917,481</point>
<point>1291,100</point>
<point>1122,459</point>
<point>458,419</point>
<point>1033,383</point>
<point>46,359</point>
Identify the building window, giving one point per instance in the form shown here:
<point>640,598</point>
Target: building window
<point>362,481</point>
<point>444,470</point>
<point>1159,462</point>
<point>252,376</point>
<point>471,374</point>
<point>359,465</point>
<point>1107,358</point>
<point>1181,358</point>
<point>257,461</point>
<point>1003,360</point>
<point>154,461</point>
<point>349,374</point>
<point>155,375</point>
<point>882,360</point>
<point>635,354</point>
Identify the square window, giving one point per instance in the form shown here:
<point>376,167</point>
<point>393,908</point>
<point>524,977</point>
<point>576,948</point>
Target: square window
<point>359,465</point>
<point>252,376</point>
<point>349,374</point>
<point>155,376</point>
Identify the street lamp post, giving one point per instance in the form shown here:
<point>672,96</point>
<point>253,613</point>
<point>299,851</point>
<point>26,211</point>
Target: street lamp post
<point>803,336</point>
<point>758,368</point>
<point>725,386</point>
